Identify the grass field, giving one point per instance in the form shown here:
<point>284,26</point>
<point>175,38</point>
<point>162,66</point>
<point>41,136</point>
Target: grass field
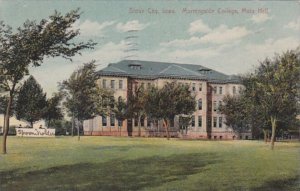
<point>110,163</point>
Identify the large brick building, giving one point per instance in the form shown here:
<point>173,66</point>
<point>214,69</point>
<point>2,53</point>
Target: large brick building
<point>209,87</point>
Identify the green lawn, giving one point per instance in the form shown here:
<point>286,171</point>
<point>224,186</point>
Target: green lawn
<point>110,163</point>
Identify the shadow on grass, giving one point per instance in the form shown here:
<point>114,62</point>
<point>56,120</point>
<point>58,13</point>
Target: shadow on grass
<point>114,175</point>
<point>291,184</point>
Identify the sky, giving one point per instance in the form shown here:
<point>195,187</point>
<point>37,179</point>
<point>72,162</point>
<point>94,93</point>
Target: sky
<point>228,36</point>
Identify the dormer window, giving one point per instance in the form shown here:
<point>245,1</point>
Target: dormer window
<point>135,66</point>
<point>204,70</point>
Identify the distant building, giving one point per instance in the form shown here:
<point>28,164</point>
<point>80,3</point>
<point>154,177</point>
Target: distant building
<point>209,87</point>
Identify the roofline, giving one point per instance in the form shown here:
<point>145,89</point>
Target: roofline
<point>211,81</point>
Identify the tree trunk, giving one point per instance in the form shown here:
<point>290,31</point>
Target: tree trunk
<point>78,132</point>
<point>265,135</point>
<point>274,123</point>
<point>139,125</point>
<point>6,121</point>
<point>31,124</point>
<point>72,133</point>
<point>166,124</point>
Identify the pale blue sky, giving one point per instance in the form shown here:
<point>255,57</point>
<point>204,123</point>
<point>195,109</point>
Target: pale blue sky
<point>229,40</point>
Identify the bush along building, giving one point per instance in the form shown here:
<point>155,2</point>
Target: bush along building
<point>208,86</point>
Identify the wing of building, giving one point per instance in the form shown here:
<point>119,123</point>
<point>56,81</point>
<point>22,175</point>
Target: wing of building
<point>209,87</point>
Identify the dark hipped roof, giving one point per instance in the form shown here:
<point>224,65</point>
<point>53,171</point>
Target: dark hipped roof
<point>154,70</point>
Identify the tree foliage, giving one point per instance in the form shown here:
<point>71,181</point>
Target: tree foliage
<point>83,98</point>
<point>136,105</point>
<point>31,102</point>
<point>171,100</point>
<point>120,111</point>
<point>29,44</point>
<point>52,110</point>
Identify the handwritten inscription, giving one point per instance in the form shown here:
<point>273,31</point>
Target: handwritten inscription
<point>26,132</point>
<point>198,11</point>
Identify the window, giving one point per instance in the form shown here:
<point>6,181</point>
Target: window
<point>220,90</point>
<point>199,121</point>
<point>215,122</point>
<point>194,87</point>
<point>112,120</point>
<point>120,84</point>
<point>214,89</point>
<point>200,87</point>
<point>220,122</point>
<point>112,84</point>
<point>193,121</point>
<point>215,106</point>
<point>234,90</point>
<point>200,104</point>
<point>120,123</point>
<point>104,121</point>
<point>220,104</point>
<point>135,67</point>
<point>104,83</point>
<point>135,122</point>
<point>142,121</point>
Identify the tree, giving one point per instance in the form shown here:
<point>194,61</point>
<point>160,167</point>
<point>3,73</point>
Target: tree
<point>173,99</point>
<point>29,44</point>
<point>184,122</point>
<point>104,102</point>
<point>277,84</point>
<point>136,105</point>
<point>235,110</point>
<point>120,111</point>
<point>31,102</point>
<point>52,111</point>
<point>80,91</point>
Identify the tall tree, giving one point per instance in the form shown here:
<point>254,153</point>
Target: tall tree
<point>29,44</point>
<point>276,82</point>
<point>120,111</point>
<point>80,91</point>
<point>136,105</point>
<point>31,102</point>
<point>52,111</point>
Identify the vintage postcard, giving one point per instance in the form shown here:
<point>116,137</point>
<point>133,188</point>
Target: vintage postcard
<point>149,95</point>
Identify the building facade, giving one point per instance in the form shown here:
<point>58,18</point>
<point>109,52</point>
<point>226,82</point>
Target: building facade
<point>208,86</point>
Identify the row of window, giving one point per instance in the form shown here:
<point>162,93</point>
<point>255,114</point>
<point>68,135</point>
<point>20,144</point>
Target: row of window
<point>112,121</point>
<point>215,88</point>
<point>120,123</point>
<point>193,88</point>
<point>199,121</point>
<point>217,122</point>
<point>112,84</point>
<point>219,90</point>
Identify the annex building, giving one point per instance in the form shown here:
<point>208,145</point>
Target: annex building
<point>208,86</point>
